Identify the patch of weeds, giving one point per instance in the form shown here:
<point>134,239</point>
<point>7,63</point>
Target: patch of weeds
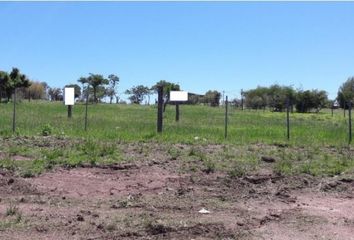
<point>95,152</point>
<point>74,161</point>
<point>5,132</point>
<point>307,168</point>
<point>194,152</point>
<point>240,169</point>
<point>8,164</point>
<point>13,215</point>
<point>89,147</point>
<point>149,136</point>
<point>47,130</point>
<point>30,169</point>
<point>93,160</point>
<point>107,149</point>
<point>283,166</point>
<point>174,153</point>
<point>210,166</point>
<point>17,150</point>
<point>12,210</point>
<point>52,157</point>
<point>27,173</point>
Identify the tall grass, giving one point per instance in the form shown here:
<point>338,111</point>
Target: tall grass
<point>197,123</point>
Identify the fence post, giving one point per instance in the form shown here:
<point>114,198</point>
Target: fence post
<point>287,119</point>
<point>226,113</point>
<point>332,108</point>
<point>177,111</point>
<point>14,112</point>
<point>159,108</point>
<point>242,99</point>
<point>70,110</point>
<point>86,106</point>
<point>350,122</point>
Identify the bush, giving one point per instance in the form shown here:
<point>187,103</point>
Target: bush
<point>47,130</point>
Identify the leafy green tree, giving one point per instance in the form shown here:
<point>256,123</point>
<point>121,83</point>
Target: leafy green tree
<point>279,95</point>
<point>346,93</point>
<point>112,89</point>
<point>10,82</point>
<point>167,88</point>
<point>212,98</point>
<point>96,81</point>
<point>137,93</point>
<point>311,100</point>
<point>55,94</point>
<point>257,98</point>
<point>4,79</point>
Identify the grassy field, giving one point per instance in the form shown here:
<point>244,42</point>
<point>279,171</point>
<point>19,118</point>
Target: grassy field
<point>318,144</point>
<point>122,180</point>
<point>136,123</point>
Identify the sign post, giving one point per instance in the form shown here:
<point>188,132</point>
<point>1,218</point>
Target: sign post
<point>177,97</point>
<point>69,97</point>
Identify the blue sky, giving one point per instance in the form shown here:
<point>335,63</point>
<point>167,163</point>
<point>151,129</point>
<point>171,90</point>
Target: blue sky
<point>200,45</point>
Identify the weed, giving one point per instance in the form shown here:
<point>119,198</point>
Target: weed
<point>210,166</point>
<point>194,152</point>
<point>174,153</point>
<point>47,130</point>
<point>12,210</point>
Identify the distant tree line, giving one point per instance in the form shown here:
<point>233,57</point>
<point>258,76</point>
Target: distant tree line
<point>277,97</point>
<point>97,86</point>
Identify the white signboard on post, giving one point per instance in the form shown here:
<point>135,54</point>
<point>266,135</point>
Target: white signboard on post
<point>69,96</point>
<point>178,96</point>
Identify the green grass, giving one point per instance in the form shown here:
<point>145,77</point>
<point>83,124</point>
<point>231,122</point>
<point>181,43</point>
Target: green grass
<point>138,123</point>
<point>46,138</point>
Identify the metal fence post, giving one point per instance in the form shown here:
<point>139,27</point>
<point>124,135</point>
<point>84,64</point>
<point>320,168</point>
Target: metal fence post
<point>226,118</point>
<point>350,122</point>
<point>87,98</point>
<point>288,118</point>
<point>159,108</point>
<point>14,112</point>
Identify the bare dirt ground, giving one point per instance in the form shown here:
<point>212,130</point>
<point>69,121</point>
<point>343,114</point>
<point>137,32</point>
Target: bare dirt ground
<point>151,199</point>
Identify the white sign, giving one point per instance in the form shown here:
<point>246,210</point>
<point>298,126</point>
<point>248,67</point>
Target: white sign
<point>178,96</point>
<point>69,96</point>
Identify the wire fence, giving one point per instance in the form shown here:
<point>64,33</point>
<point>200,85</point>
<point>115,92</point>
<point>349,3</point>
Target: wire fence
<point>196,123</point>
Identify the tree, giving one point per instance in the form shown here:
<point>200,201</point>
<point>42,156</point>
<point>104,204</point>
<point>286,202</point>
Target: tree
<point>10,82</point>
<point>35,91</point>
<point>257,98</point>
<point>167,88</point>
<point>4,78</point>
<point>95,81</point>
<point>279,95</point>
<point>77,89</point>
<point>212,98</point>
<point>55,94</point>
<point>346,93</point>
<point>137,93</point>
<point>46,88</point>
<point>112,89</point>
<point>308,100</point>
